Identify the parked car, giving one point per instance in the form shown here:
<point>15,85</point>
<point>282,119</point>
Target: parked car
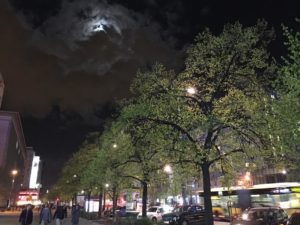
<point>294,219</point>
<point>187,215</point>
<point>154,213</point>
<point>262,216</point>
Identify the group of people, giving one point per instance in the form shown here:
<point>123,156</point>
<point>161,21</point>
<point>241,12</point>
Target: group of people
<point>46,217</point>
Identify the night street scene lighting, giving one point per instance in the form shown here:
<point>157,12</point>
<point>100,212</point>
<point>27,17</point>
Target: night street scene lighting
<point>141,107</point>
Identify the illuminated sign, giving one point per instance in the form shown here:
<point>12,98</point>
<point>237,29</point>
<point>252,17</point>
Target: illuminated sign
<point>33,183</point>
<point>28,197</point>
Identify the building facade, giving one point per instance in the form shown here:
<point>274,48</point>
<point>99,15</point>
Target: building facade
<point>19,167</point>
<point>12,156</point>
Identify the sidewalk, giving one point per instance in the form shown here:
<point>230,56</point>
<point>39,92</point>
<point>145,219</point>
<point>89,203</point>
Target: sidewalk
<point>82,221</point>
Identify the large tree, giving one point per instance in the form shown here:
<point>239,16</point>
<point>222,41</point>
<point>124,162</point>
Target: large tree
<point>137,155</point>
<point>213,111</point>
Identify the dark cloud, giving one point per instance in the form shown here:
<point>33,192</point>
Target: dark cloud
<point>67,60</point>
<point>94,36</point>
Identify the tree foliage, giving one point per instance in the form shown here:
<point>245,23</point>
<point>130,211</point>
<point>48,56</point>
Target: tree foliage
<point>72,175</point>
<point>221,119</point>
<point>286,105</point>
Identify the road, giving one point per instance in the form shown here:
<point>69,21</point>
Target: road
<point>9,218</point>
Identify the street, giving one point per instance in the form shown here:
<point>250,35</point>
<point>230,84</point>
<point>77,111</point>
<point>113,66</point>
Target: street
<point>11,218</point>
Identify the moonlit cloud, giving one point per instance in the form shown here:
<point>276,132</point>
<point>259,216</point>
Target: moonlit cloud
<point>79,20</point>
<point>95,37</point>
<point>80,57</point>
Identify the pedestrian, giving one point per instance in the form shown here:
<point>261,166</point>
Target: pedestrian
<point>26,215</point>
<point>59,214</point>
<point>75,214</point>
<point>45,215</point>
<point>65,207</point>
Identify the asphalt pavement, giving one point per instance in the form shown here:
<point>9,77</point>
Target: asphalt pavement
<point>11,218</point>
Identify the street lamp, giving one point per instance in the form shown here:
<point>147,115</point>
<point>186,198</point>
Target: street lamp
<point>115,145</point>
<point>14,174</point>
<point>104,196</point>
<point>168,169</point>
<point>191,90</point>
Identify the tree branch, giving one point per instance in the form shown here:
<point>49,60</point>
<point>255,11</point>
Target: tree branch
<point>165,122</point>
<point>133,177</point>
<point>225,155</point>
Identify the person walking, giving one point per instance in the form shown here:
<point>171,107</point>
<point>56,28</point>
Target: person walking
<point>65,207</point>
<point>75,214</point>
<point>45,215</point>
<point>26,215</point>
<point>59,214</point>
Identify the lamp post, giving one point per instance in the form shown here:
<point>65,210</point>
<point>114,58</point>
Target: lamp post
<point>169,171</point>
<point>14,174</point>
<point>74,202</point>
<point>104,196</point>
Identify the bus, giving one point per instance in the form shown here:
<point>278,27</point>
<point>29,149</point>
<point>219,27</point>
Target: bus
<point>230,202</point>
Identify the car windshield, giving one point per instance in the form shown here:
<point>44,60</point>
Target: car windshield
<point>152,209</point>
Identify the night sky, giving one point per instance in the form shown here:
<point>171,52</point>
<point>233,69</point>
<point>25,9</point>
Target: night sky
<point>66,62</point>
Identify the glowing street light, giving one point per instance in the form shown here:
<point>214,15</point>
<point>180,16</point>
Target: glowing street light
<point>106,185</point>
<point>283,171</point>
<point>115,145</point>
<point>247,177</point>
<point>168,169</point>
<point>191,90</point>
<point>14,172</point>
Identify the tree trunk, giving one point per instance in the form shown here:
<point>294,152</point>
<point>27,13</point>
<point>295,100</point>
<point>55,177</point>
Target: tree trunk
<point>100,204</point>
<point>89,199</point>
<point>104,200</point>
<point>207,194</point>
<point>114,199</point>
<point>75,198</point>
<point>145,198</point>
